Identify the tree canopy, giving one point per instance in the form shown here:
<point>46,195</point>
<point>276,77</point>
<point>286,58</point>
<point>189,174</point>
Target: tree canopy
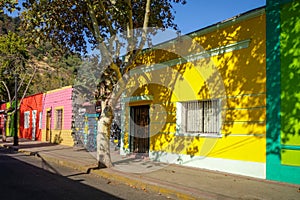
<point>9,5</point>
<point>13,59</point>
<point>75,23</point>
<point>8,24</point>
<point>53,67</point>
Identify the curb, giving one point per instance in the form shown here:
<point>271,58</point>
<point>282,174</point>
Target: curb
<point>145,185</point>
<point>113,175</point>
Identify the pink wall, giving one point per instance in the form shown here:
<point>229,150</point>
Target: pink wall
<point>2,107</point>
<point>57,99</point>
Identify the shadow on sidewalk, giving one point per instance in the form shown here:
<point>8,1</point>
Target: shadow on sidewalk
<point>26,143</point>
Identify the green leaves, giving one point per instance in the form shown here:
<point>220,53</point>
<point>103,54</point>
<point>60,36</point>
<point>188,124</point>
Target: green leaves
<point>70,23</point>
<point>13,51</point>
<point>9,5</point>
<point>110,25</point>
<point>13,59</point>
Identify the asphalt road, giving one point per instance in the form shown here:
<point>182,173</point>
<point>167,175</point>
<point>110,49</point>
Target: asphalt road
<point>27,177</point>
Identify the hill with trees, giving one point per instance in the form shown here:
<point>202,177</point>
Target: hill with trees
<point>40,65</point>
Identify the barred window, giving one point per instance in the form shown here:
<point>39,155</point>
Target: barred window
<point>34,115</point>
<point>26,119</point>
<point>200,117</point>
<point>59,116</point>
<point>40,120</point>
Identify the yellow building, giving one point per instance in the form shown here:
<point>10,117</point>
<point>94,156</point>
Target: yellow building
<point>200,100</point>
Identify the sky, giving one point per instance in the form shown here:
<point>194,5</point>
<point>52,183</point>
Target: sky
<point>197,14</point>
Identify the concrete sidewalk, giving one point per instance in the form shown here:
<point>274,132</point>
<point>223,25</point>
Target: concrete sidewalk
<point>175,181</point>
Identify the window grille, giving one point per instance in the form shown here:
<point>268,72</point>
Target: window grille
<point>200,117</point>
<point>34,115</point>
<point>59,115</point>
<point>40,120</point>
<point>26,119</point>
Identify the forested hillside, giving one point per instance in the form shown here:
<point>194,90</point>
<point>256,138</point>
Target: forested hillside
<point>41,64</point>
<point>8,24</point>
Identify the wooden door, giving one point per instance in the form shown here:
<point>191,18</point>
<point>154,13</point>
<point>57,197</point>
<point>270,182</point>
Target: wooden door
<point>48,126</point>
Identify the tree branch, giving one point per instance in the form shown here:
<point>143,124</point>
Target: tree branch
<point>97,34</point>
<point>130,27</point>
<point>28,84</point>
<point>95,30</point>
<point>130,15</point>
<point>144,36</point>
<point>108,23</point>
<point>147,15</point>
<point>8,93</point>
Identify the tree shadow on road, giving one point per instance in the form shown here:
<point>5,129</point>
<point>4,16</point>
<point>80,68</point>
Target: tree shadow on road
<point>26,181</point>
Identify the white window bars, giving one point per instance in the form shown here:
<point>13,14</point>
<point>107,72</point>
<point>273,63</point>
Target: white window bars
<point>200,117</point>
<point>26,119</point>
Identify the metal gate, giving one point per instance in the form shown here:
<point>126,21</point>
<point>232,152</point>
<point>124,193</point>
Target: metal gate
<point>139,129</point>
<point>90,131</point>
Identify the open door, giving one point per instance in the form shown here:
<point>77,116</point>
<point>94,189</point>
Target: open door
<point>139,129</point>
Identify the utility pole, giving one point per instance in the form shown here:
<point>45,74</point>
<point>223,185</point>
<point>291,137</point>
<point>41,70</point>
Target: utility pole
<point>16,138</point>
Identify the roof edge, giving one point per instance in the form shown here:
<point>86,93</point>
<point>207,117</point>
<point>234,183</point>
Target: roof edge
<point>222,24</point>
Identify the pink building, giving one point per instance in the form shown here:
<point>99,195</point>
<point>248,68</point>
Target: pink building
<point>57,116</point>
<point>2,120</point>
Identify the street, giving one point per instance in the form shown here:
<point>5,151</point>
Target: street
<point>27,177</point>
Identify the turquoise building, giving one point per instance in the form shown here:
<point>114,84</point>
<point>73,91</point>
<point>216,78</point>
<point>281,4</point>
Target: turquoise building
<point>283,90</point>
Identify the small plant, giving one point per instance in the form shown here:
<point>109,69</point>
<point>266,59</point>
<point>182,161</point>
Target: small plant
<point>57,139</point>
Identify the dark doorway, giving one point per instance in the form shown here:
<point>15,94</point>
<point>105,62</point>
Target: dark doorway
<point>139,129</point>
<point>48,126</point>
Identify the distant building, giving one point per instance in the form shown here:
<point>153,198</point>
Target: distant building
<point>3,118</point>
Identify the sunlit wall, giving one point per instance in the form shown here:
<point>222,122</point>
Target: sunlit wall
<point>283,97</point>
<point>225,62</point>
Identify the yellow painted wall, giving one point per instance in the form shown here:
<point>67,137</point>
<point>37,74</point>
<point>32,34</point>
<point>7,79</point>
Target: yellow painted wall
<point>243,77</point>
<point>63,137</point>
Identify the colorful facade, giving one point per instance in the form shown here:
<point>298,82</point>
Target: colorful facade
<point>57,116</point>
<point>8,119</point>
<point>222,98</point>
<point>3,119</point>
<point>10,128</point>
<point>85,125</point>
<point>30,117</point>
<point>283,93</point>
<point>200,100</point>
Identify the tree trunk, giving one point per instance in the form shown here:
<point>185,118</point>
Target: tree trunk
<point>103,135</point>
